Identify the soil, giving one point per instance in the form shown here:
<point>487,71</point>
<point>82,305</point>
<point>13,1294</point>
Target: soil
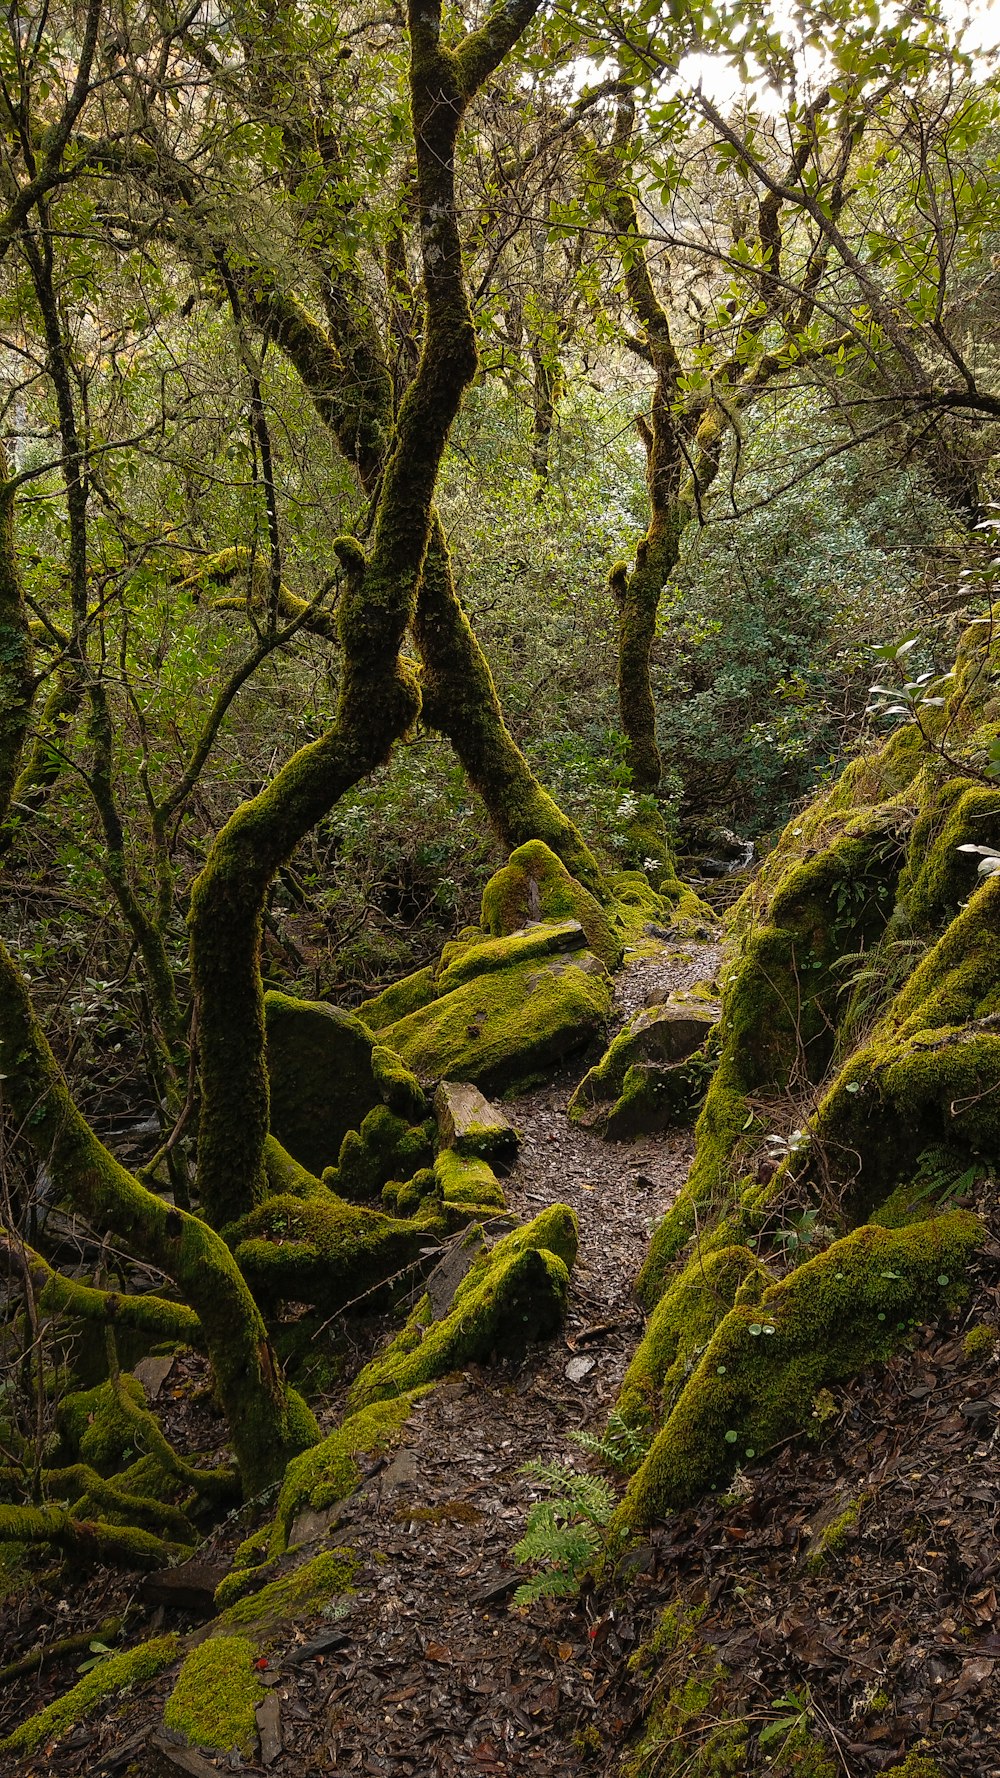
<point>429,1669</point>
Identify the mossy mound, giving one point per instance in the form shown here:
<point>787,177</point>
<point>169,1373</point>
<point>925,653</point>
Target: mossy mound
<point>755,1381</point>
<point>386,1147</point>
<point>534,885</point>
<point>510,1297</point>
<point>502,1029</point>
<point>324,1251</point>
<point>215,1699</point>
<point>96,1428</point>
<point>326,1073</point>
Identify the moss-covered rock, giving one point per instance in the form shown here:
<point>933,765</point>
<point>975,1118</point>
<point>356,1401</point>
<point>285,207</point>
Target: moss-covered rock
<point>324,1251</point>
<point>404,1197</point>
<point>511,1296</point>
<point>399,998</point>
<point>322,1082</point>
<point>536,886</point>
<point>502,1029</point>
<point>468,1181</point>
<point>655,1072</point>
<point>214,1702</point>
<point>755,1382</point>
<point>490,954</point>
<point>386,1147</point>
<point>309,1588</point>
<point>330,1471</point>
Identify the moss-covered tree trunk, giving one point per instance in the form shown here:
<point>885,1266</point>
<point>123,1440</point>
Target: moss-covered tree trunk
<point>379,697</point>
<point>346,371</point>
<point>460,700</point>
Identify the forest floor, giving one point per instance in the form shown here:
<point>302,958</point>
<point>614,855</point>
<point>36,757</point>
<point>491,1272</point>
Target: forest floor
<point>428,1669</point>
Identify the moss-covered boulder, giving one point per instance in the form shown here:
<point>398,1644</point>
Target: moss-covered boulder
<point>461,961</point>
<point>326,1474</point>
<point>654,1073</point>
<point>535,886</point>
<point>468,1181</point>
<point>326,1073</point>
<point>324,1251</point>
<point>760,1371</point>
<point>511,1296</point>
<point>502,1029</point>
<point>399,998</point>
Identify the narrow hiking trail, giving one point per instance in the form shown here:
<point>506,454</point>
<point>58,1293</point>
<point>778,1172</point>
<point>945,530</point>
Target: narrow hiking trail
<point>426,1668</point>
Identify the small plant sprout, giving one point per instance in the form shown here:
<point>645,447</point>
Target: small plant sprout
<point>801,1232</point>
<point>782,1146</point>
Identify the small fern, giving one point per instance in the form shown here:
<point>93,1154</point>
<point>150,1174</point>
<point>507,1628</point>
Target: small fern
<point>563,1533</point>
<point>622,1447</point>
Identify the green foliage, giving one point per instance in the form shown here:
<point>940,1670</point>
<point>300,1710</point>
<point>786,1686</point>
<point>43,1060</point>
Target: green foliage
<point>564,1532</point>
<point>621,1446</point>
<point>759,695</point>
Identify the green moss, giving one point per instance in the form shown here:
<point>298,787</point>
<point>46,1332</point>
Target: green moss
<point>468,1181</point>
<point>215,1699</point>
<point>118,1673</point>
<point>329,1471</point>
<point>681,1326</point>
<point>500,1030</point>
<point>488,955</point>
<point>305,1590</point>
<point>691,1725</point>
<point>535,885</point>
<point>400,1089</point>
<point>404,1197</point>
<point>285,1176</point>
<point>96,1428</point>
<point>511,1296</point>
<point>980,1342</point>
<point>654,1073</point>
<point>323,1251</point>
<point>802,1755</point>
<point>386,1147</point>
<point>400,998</point>
<point>832,1537</point>
<point>756,1381</point>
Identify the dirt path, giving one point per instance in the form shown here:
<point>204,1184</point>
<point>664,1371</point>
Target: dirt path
<point>435,1673</point>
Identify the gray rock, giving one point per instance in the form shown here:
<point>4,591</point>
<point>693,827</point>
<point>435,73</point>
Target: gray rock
<point>470,1125</point>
